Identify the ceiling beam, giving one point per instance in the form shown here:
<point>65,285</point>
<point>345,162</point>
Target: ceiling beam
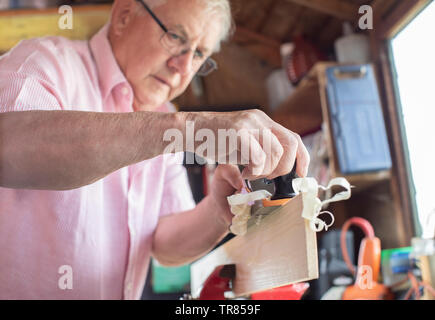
<point>337,8</point>
<point>263,47</point>
<point>243,34</point>
<point>402,14</point>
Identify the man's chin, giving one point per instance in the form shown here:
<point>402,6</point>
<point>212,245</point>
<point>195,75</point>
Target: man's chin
<point>147,105</point>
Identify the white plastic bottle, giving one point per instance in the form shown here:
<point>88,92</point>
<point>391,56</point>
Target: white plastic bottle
<point>352,47</point>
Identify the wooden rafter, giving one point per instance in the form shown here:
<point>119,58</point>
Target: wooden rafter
<point>268,12</point>
<point>263,47</point>
<point>402,14</point>
<point>337,8</point>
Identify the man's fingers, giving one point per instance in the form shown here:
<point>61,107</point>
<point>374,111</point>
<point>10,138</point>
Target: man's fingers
<point>257,158</point>
<point>264,147</point>
<point>303,159</point>
<point>273,150</point>
<point>290,146</point>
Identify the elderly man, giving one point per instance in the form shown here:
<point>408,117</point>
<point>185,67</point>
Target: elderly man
<point>88,194</point>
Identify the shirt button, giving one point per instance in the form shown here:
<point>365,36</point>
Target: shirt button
<point>124,91</point>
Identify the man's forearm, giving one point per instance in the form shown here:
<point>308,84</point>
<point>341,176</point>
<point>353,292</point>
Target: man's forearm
<point>60,150</point>
<point>185,237</point>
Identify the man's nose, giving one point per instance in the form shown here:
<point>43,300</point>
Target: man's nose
<point>182,63</point>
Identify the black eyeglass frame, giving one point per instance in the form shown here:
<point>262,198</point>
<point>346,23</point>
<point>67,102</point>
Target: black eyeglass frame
<point>166,30</point>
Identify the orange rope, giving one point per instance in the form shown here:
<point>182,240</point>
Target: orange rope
<point>366,227</point>
<point>369,233</point>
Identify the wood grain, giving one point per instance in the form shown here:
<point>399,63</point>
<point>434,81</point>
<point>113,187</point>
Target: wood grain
<point>17,25</point>
<point>337,8</point>
<point>402,14</point>
<point>280,251</point>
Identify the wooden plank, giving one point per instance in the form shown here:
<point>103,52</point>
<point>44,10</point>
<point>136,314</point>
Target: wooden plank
<point>239,80</point>
<point>18,25</point>
<point>244,34</point>
<point>327,35</point>
<point>280,18</point>
<point>378,206</point>
<point>245,11</point>
<point>365,180</point>
<point>404,12</point>
<point>381,8</point>
<point>238,83</point>
<point>301,112</point>
<point>337,8</point>
<point>329,136</point>
<point>263,47</point>
<point>280,251</point>
<point>260,14</point>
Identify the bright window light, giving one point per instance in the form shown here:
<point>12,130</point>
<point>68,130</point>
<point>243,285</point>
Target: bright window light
<point>414,57</point>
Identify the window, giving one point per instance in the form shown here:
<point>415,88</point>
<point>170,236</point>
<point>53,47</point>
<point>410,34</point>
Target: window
<point>413,52</point>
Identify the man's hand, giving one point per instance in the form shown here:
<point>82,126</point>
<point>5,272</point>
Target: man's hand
<point>201,228</point>
<point>227,180</point>
<point>272,149</point>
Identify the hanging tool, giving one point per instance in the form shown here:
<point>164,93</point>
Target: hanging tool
<point>366,285</point>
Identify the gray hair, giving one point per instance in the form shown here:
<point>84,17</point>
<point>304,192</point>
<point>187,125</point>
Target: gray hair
<point>220,7</point>
<point>223,8</point>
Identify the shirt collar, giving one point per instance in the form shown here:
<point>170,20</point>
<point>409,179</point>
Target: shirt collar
<point>109,73</point>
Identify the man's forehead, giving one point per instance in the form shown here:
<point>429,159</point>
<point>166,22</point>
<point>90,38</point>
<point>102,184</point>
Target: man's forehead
<point>190,24</point>
<point>189,19</point>
<point>183,32</point>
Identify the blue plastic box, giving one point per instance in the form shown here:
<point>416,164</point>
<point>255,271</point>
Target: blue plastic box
<point>356,118</point>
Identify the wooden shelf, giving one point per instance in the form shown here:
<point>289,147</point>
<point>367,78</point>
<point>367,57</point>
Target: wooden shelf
<point>366,180</point>
<point>17,25</point>
<point>307,110</point>
<point>374,194</point>
<point>301,112</point>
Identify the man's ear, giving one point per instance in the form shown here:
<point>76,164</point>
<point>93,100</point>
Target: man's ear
<point>123,12</point>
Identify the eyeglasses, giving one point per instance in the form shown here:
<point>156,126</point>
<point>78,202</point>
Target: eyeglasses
<point>178,45</point>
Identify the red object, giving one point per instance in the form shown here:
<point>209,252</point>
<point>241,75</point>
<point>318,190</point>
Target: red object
<point>218,283</point>
<point>291,292</point>
<point>304,56</point>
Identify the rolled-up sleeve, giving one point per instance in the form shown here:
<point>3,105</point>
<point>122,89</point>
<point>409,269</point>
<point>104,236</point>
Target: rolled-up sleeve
<point>31,74</point>
<point>177,194</point>
<point>21,92</point>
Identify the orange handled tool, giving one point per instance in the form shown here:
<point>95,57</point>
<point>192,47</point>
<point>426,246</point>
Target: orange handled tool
<point>283,190</point>
<point>369,262</point>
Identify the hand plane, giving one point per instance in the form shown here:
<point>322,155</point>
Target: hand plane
<point>282,193</point>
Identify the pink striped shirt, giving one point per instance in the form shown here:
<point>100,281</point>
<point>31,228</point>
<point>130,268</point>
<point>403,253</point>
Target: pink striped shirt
<point>102,231</point>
